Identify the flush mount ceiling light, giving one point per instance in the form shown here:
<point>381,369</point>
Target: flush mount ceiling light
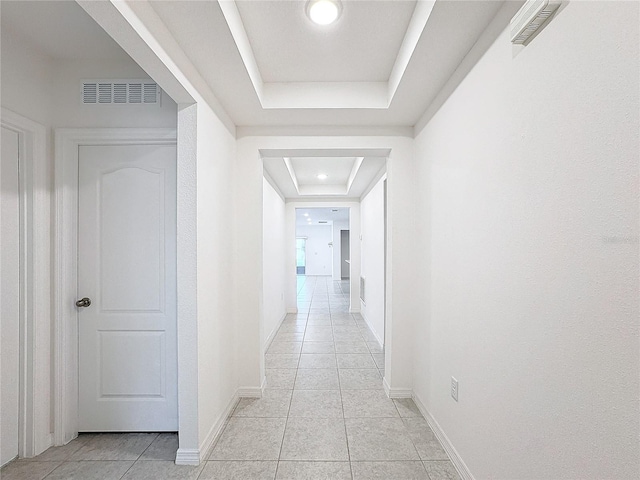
<point>322,176</point>
<point>323,12</point>
<point>306,214</point>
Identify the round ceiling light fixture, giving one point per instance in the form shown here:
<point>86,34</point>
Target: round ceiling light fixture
<point>322,176</point>
<point>324,12</point>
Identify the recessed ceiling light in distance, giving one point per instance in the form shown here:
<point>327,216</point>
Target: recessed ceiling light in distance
<point>322,176</point>
<point>306,214</point>
<point>323,12</point>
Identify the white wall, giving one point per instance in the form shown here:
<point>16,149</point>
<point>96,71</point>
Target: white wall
<point>337,248</point>
<point>319,255</point>
<point>372,258</point>
<point>217,381</point>
<point>273,261</point>
<point>528,223</point>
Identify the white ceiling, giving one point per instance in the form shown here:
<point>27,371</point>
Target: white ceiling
<point>351,50</point>
<point>317,215</point>
<point>60,30</point>
<point>380,65</point>
<point>259,69</point>
<point>350,172</point>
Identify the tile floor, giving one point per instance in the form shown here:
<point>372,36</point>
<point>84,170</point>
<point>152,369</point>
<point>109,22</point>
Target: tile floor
<point>324,415</point>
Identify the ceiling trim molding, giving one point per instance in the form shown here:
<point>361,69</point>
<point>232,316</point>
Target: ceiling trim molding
<point>292,173</point>
<point>323,131</point>
<point>326,95</point>
<point>323,152</point>
<point>354,171</point>
<point>416,26</point>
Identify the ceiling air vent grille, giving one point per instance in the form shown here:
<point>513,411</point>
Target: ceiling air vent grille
<point>530,18</point>
<point>120,92</point>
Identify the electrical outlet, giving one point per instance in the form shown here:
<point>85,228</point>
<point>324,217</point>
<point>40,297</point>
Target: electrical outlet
<point>454,389</point>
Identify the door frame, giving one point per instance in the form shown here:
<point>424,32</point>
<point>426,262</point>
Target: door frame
<point>67,143</point>
<point>34,432</point>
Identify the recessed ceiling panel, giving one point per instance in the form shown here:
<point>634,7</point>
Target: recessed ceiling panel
<point>361,46</point>
<point>337,170</point>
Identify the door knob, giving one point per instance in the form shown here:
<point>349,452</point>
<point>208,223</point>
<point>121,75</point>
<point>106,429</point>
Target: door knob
<point>84,302</point>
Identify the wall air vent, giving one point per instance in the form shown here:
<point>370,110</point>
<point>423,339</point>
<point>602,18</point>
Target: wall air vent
<point>120,92</point>
<point>531,18</point>
<point>323,221</point>
<point>362,283</point>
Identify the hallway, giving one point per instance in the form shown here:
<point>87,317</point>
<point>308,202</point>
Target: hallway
<point>324,415</point>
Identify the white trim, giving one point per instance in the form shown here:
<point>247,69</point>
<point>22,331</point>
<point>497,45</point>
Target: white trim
<point>214,433</point>
<point>454,456</point>
<point>67,142</point>
<point>250,392</point>
<point>396,392</point>
<point>188,456</point>
<point>35,288</point>
<point>273,334</point>
<point>292,310</point>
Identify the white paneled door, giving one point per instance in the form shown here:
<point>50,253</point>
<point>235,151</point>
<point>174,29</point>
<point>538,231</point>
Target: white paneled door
<point>127,271</point>
<point>9,295</point>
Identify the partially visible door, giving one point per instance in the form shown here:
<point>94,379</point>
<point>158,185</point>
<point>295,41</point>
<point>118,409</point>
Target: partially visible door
<point>344,254</point>
<point>301,256</point>
<point>9,295</point>
<point>127,268</point>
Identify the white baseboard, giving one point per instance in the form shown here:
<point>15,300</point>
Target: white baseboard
<point>209,441</point>
<point>380,342</point>
<point>188,456</point>
<point>250,392</point>
<point>292,310</point>
<point>396,392</point>
<point>272,335</point>
<point>461,467</point>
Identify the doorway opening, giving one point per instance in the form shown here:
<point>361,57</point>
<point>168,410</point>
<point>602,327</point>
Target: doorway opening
<point>301,255</point>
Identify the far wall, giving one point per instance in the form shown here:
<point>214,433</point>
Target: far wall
<point>319,253</point>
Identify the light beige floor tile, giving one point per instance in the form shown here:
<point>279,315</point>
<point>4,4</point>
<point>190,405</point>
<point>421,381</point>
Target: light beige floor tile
<point>164,447</point>
<point>250,439</point>
<point>367,403</point>
<point>360,379</point>
<point>230,470</point>
<point>407,408</point>
<point>441,470</point>
<point>281,360</point>
<point>347,337</point>
<point>424,439</point>
<point>154,470</point>
<point>317,379</point>
<point>316,404</point>
<point>90,470</point>
<point>355,360</point>
<point>288,337</point>
<point>283,378</point>
<point>313,471</point>
<point>58,454</point>
<point>314,439</point>
<point>389,471</point>
<point>379,359</point>
<point>374,347</point>
<point>23,470</point>
<point>318,334</point>
<point>317,360</point>
<point>352,347</point>
<point>319,321</point>
<point>292,328</point>
<point>274,403</point>
<point>285,347</point>
<point>114,446</point>
<point>369,440</point>
<point>340,329</point>
<point>318,347</point>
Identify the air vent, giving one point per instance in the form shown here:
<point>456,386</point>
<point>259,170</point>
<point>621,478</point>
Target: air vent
<point>120,92</point>
<point>530,18</point>
<point>362,283</point>
<point>323,221</point>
